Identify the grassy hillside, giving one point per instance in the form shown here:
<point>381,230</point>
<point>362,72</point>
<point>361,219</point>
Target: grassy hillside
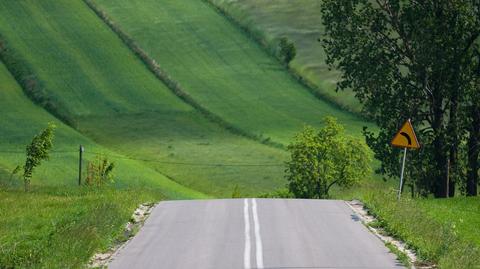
<point>98,83</point>
<point>222,68</point>
<point>301,22</point>
<point>21,119</point>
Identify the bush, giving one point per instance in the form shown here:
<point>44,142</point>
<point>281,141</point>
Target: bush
<point>37,151</point>
<point>99,172</point>
<point>321,160</point>
<point>287,50</point>
<point>280,193</point>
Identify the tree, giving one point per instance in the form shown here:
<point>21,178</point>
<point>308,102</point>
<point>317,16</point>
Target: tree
<point>37,151</point>
<point>324,159</point>
<point>412,59</point>
<point>287,50</point>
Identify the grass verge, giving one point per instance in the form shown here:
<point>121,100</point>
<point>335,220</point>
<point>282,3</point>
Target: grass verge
<point>433,240</point>
<point>63,228</point>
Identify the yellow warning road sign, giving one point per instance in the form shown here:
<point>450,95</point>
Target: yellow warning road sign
<point>405,137</point>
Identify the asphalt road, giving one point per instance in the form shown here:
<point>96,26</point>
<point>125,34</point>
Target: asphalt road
<point>254,233</point>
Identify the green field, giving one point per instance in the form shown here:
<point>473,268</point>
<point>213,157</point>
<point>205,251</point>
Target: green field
<point>21,119</point>
<point>301,22</point>
<point>223,69</point>
<point>115,101</point>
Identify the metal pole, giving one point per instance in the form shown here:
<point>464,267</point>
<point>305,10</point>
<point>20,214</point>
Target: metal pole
<point>81,150</point>
<point>401,175</point>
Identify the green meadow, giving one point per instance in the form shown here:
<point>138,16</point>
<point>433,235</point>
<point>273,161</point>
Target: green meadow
<point>223,69</point>
<point>21,119</point>
<point>300,21</point>
<point>115,101</point>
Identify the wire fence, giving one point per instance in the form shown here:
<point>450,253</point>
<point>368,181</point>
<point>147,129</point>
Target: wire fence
<point>178,163</point>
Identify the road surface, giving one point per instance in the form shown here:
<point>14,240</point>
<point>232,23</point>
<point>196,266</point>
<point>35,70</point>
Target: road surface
<point>254,233</point>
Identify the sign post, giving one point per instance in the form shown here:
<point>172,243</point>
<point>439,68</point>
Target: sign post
<point>405,138</point>
<point>401,173</point>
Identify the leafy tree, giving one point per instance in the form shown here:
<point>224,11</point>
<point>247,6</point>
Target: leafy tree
<point>287,50</point>
<point>418,60</point>
<point>37,151</point>
<point>324,159</point>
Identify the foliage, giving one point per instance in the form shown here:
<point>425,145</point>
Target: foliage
<point>279,193</point>
<point>287,50</point>
<point>38,151</point>
<point>99,172</point>
<point>324,159</point>
<point>236,192</point>
<point>418,60</point>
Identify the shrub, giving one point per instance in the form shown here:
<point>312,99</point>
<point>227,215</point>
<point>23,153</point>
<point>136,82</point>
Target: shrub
<point>37,151</point>
<point>99,172</point>
<point>287,50</point>
<point>321,160</point>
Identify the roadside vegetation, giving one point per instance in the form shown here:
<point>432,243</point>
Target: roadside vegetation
<point>324,159</point>
<point>62,227</point>
<point>447,239</point>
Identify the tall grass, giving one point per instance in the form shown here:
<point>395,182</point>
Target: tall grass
<point>432,240</point>
<point>63,228</point>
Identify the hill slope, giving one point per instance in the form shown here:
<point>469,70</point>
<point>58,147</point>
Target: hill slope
<point>222,68</point>
<point>99,84</point>
<point>301,22</point>
<point>21,119</point>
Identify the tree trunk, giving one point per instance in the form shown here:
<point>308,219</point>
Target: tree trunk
<point>439,173</point>
<point>452,171</point>
<point>453,132</point>
<point>27,184</point>
<point>473,152</point>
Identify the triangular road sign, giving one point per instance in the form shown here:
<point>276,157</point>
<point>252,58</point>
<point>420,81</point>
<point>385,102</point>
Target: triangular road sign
<point>405,137</point>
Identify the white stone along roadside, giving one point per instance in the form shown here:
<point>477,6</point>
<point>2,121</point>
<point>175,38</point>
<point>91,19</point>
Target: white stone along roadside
<point>359,208</point>
<point>101,260</point>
